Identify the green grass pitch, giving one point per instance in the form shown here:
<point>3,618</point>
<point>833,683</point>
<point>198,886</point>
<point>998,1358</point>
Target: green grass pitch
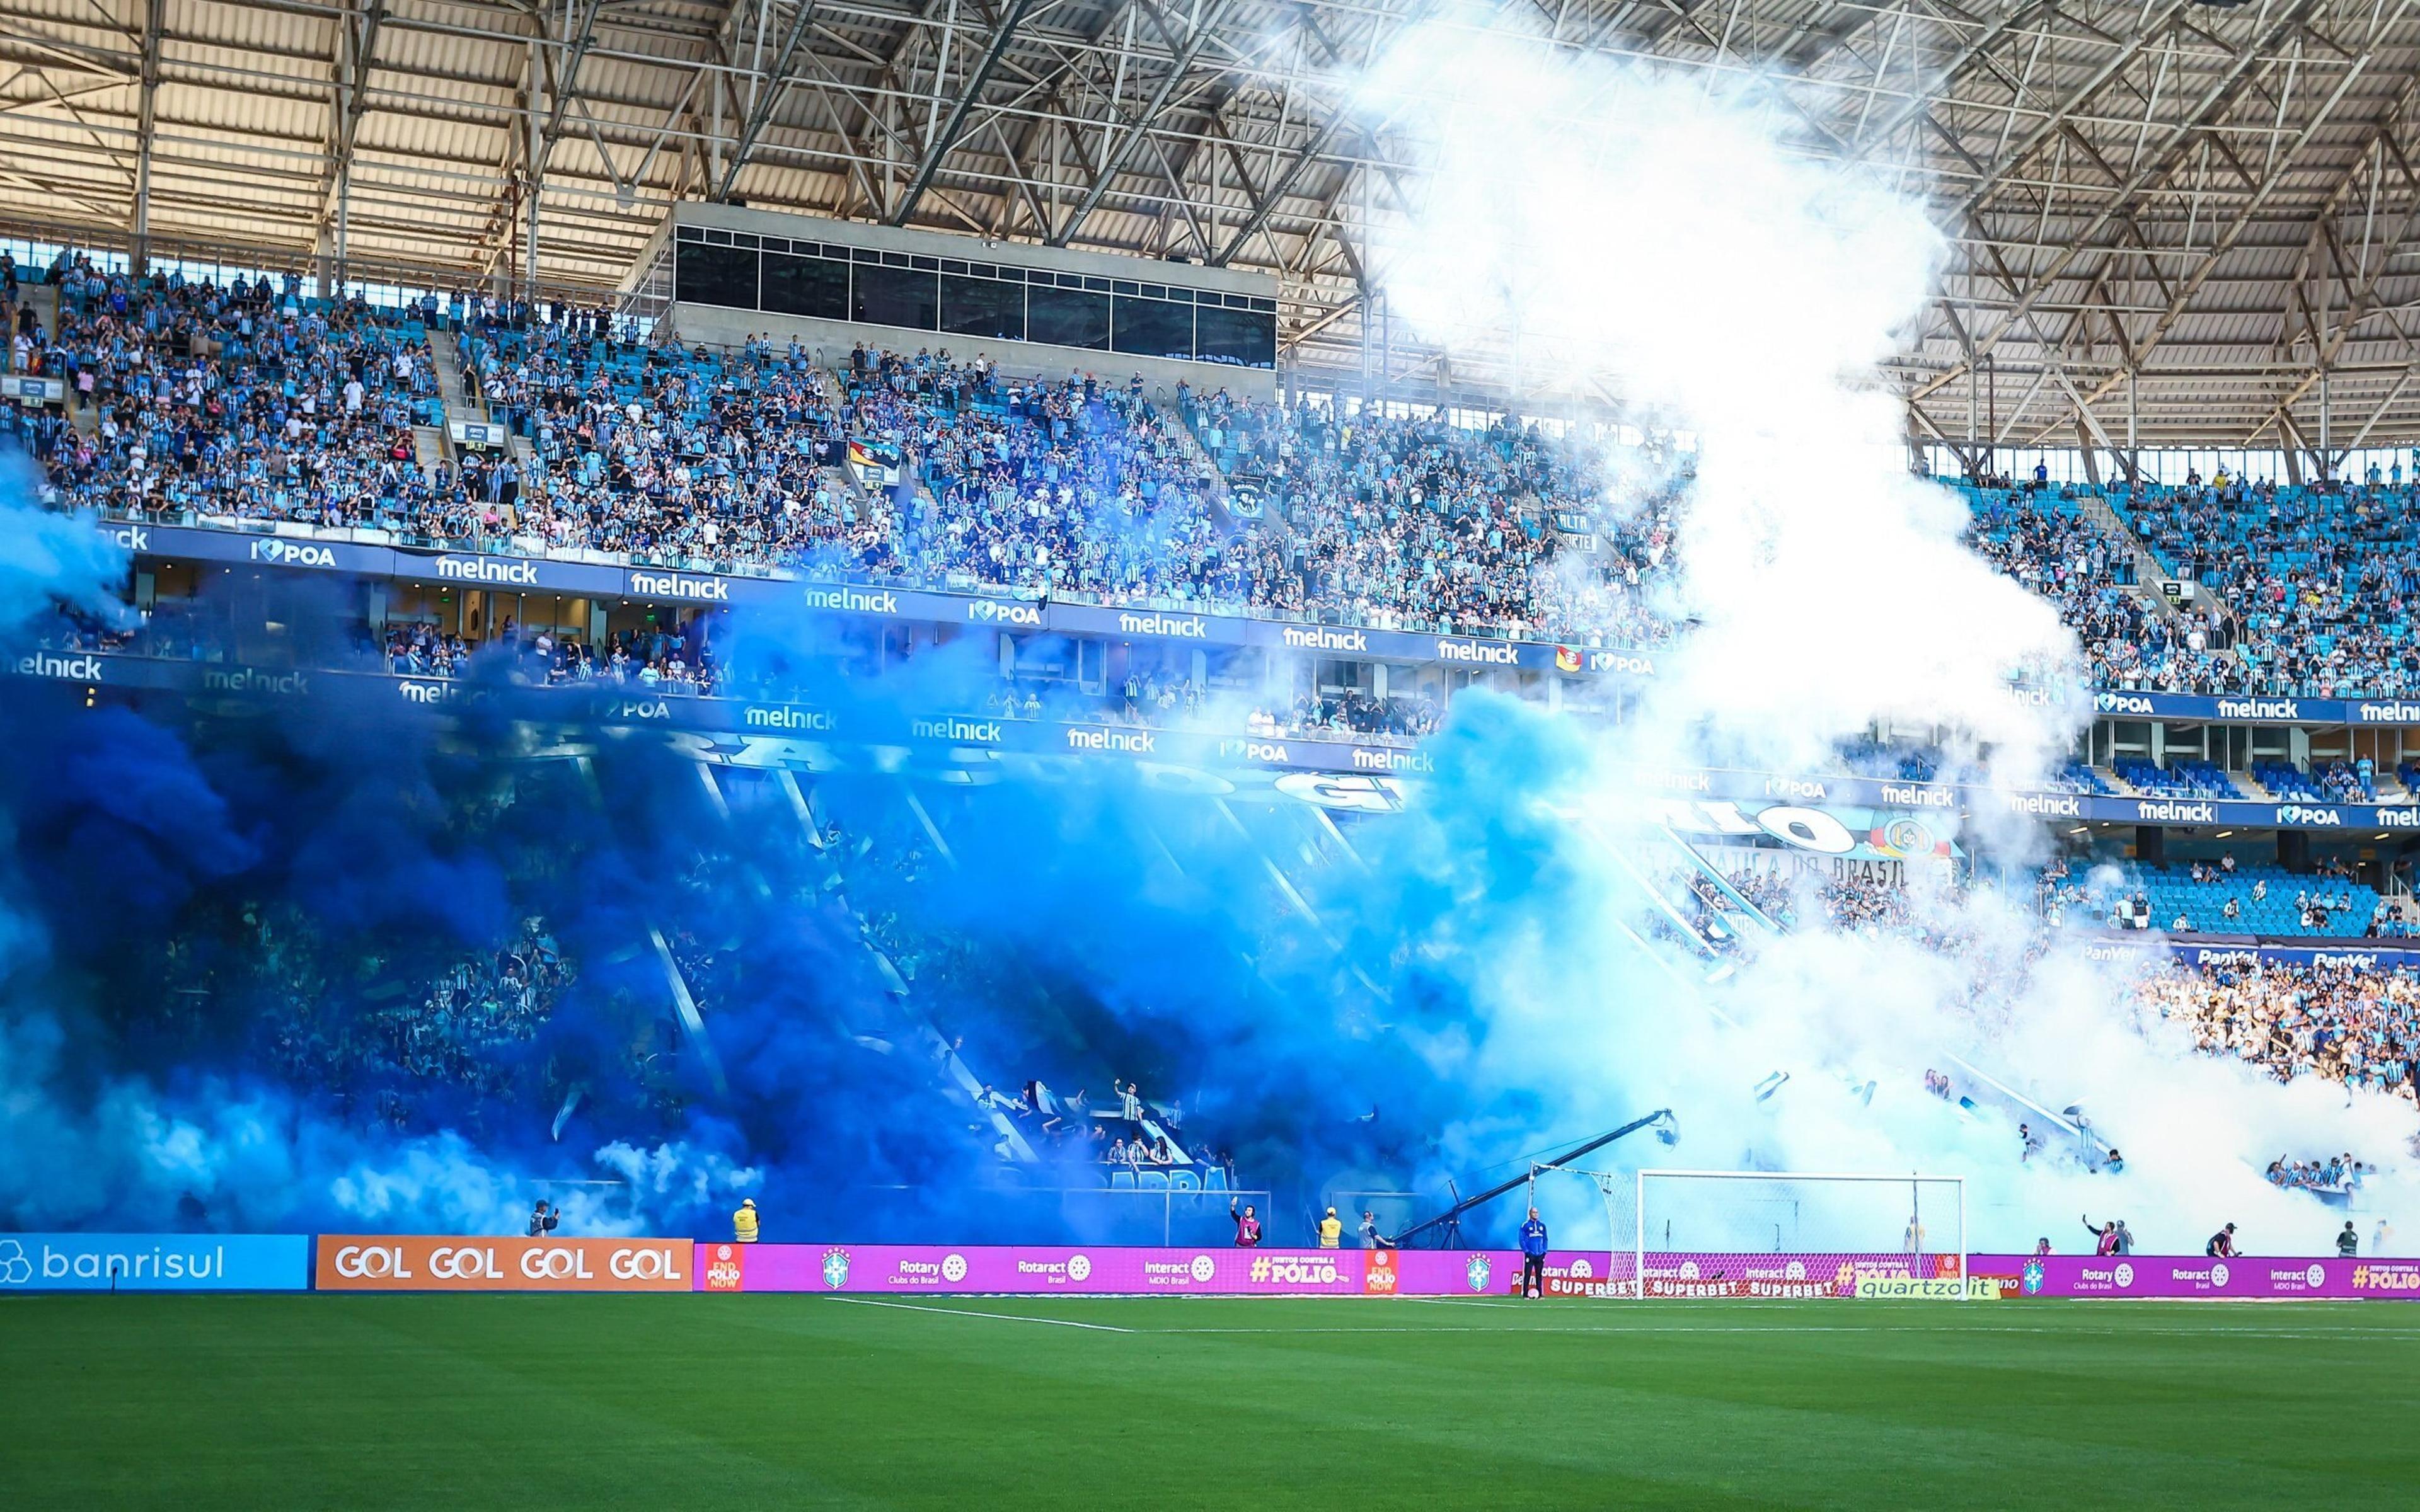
<point>664,1402</point>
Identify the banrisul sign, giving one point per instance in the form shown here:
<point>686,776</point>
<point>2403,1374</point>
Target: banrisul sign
<point>155,1262</point>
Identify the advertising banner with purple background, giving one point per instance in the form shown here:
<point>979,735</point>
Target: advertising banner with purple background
<point>1109,1270</point>
<point>2252,1278</point>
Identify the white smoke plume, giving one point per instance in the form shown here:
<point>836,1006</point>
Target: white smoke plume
<point>1612,224</point>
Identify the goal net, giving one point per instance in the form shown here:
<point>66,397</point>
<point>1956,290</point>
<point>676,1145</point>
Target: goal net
<point>1789,1234</point>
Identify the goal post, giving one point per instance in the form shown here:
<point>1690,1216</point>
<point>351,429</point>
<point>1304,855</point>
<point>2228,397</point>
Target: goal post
<point>1796,1234</point>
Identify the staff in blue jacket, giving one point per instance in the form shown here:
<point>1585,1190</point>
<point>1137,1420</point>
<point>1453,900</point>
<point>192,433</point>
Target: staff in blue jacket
<point>1533,1256</point>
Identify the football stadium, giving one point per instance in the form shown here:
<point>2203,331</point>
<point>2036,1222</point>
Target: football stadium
<point>926,754</point>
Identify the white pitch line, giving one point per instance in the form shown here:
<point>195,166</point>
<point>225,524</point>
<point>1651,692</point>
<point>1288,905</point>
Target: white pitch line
<point>969,1312</point>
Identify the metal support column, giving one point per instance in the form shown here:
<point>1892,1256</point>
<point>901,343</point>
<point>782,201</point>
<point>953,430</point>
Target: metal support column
<point>534,168</point>
<point>147,121</point>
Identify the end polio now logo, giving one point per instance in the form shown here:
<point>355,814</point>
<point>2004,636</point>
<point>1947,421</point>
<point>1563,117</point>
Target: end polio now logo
<point>835,1268</point>
<point>1477,1273</point>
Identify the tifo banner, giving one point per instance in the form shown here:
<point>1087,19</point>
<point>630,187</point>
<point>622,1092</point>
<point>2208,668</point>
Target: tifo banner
<point>1116,1272</point>
<point>2246,1277</point>
<point>155,1262</point>
<point>422,1262</point>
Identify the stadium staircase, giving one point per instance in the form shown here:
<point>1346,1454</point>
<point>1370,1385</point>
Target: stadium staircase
<point>2148,571</point>
<point>44,298</point>
<point>445,355</point>
<point>1214,477</point>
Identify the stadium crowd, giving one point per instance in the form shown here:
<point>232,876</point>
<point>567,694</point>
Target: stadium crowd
<point>2049,547</point>
<point>461,1035</point>
<point>249,400</point>
<point>2344,1022</point>
<point>2320,579</point>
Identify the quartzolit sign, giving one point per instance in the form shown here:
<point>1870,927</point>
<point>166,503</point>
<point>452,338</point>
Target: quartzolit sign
<point>359,1262</point>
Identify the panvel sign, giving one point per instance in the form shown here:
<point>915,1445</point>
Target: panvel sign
<point>1109,1270</point>
<point>2250,1278</point>
<point>155,1262</point>
<point>420,1262</point>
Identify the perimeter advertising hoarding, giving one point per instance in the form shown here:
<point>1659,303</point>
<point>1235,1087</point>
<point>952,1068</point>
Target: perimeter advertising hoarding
<point>1795,1276</point>
<point>155,1262</point>
<point>432,1262</point>
<point>2253,1279</point>
<point>1842,819</point>
<point>1109,1270</point>
<point>475,569</point>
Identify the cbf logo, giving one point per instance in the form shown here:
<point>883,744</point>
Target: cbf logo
<point>1477,1273</point>
<point>2033,1278</point>
<point>835,1268</point>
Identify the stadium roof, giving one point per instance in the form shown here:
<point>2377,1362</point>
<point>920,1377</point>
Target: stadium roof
<point>2175,220</point>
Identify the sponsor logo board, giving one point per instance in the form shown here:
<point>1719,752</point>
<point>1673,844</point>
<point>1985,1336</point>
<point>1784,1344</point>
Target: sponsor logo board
<point>2262,1278</point>
<point>694,587</point>
<point>281,553</point>
<point>424,1262</point>
<point>1041,1270</point>
<point>155,1262</point>
<point>503,572</point>
<point>74,666</point>
<point>1009,612</point>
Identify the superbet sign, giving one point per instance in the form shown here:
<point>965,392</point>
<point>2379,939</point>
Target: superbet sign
<point>420,1262</point>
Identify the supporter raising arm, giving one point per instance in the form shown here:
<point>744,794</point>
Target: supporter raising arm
<point>1247,1226</point>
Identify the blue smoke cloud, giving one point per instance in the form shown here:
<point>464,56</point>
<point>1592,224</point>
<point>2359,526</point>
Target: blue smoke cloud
<point>174,881</point>
<point>1448,992</point>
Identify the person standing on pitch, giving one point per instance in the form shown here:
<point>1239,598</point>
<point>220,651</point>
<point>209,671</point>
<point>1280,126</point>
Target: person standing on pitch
<point>1533,1256</point>
<point>743,1223</point>
<point>1331,1230</point>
